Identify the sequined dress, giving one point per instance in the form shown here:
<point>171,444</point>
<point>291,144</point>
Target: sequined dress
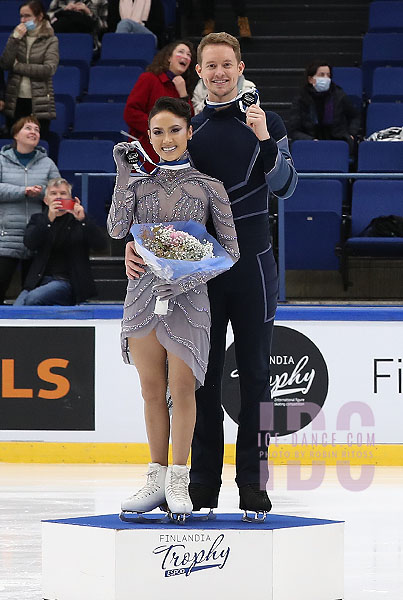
<point>171,195</point>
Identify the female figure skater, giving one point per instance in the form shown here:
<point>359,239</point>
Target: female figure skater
<point>168,349</point>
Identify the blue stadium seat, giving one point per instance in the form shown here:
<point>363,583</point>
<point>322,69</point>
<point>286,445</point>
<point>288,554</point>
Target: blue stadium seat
<point>386,17</point>
<point>127,49</point>
<point>60,125</point>
<point>67,88</point>
<point>111,84</point>
<point>381,115</point>
<point>89,156</point>
<point>381,157</point>
<point>4,35</point>
<point>75,49</point>
<point>99,120</point>
<point>380,50</point>
<point>10,15</point>
<point>372,199</point>
<point>313,220</point>
<point>320,156</point>
<point>350,79</point>
<point>387,84</point>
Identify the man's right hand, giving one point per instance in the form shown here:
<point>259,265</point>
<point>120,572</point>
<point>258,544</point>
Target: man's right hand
<point>133,262</point>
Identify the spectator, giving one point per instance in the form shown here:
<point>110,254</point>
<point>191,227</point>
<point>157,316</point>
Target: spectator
<point>25,169</point>
<point>74,16</point>
<point>60,238</point>
<point>323,111</point>
<point>200,92</point>
<point>172,74</point>
<point>141,16</point>
<point>239,8</point>
<point>31,57</point>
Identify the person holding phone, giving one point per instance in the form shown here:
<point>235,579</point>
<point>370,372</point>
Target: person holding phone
<point>25,169</point>
<point>60,238</point>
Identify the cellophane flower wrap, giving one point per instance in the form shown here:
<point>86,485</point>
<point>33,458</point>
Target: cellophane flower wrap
<point>164,237</point>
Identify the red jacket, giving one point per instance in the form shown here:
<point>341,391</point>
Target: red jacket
<point>146,91</point>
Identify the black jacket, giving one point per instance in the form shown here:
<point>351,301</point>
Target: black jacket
<point>305,122</point>
<point>79,237</point>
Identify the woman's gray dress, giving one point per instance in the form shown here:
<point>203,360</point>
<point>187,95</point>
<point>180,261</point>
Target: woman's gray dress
<point>178,194</point>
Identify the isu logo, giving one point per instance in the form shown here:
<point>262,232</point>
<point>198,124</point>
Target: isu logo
<point>298,376</point>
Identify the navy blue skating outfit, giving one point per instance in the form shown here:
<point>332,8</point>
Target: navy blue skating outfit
<point>224,147</point>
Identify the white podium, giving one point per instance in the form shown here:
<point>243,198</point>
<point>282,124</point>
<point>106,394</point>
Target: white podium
<point>102,558</point>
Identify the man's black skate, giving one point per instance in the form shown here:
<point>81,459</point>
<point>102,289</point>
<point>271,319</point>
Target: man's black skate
<point>253,499</point>
<point>204,496</point>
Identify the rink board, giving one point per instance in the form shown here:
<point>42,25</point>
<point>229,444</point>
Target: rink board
<point>284,558</point>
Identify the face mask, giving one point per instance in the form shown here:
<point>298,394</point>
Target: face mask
<point>30,25</point>
<point>322,84</point>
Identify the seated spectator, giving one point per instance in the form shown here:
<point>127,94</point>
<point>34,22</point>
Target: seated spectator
<point>31,57</point>
<point>25,170</point>
<point>61,237</point>
<point>141,16</point>
<point>323,111</point>
<point>200,92</point>
<point>172,74</point>
<point>75,16</point>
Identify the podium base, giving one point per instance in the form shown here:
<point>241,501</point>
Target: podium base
<point>284,558</point>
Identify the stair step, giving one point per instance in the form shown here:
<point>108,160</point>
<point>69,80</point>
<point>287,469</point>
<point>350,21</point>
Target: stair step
<point>300,59</point>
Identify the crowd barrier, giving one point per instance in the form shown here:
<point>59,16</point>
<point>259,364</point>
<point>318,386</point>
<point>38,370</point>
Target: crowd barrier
<point>281,209</point>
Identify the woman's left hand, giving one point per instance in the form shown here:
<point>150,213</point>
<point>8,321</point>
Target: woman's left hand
<point>256,119</point>
<point>167,291</point>
<point>180,85</point>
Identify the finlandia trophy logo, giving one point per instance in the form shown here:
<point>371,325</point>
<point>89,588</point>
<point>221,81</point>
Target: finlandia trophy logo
<point>186,553</point>
<point>298,375</point>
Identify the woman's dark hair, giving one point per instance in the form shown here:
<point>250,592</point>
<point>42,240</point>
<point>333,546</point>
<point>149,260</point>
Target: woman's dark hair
<point>160,63</point>
<point>176,106</point>
<point>313,67</point>
<point>37,8</point>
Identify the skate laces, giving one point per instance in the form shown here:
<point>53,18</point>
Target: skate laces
<point>178,486</point>
<point>151,486</point>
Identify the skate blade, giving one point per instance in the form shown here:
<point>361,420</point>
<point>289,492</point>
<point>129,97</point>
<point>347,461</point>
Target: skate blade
<point>259,516</point>
<point>133,517</point>
<point>178,518</point>
<point>209,517</point>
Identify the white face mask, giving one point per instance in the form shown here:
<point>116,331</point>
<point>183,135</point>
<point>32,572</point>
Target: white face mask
<point>322,84</point>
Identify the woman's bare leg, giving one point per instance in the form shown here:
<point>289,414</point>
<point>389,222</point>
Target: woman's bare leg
<point>149,358</point>
<point>182,388</point>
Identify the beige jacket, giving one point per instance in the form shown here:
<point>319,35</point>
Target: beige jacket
<point>40,65</point>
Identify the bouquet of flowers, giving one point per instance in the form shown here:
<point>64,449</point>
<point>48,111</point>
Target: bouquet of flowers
<point>173,251</point>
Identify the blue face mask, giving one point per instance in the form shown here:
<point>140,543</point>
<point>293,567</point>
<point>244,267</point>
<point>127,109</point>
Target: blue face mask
<point>322,84</point>
<point>30,25</point>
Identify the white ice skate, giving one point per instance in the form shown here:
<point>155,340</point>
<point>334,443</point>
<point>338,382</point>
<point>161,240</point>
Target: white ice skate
<point>148,497</point>
<point>177,493</point>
